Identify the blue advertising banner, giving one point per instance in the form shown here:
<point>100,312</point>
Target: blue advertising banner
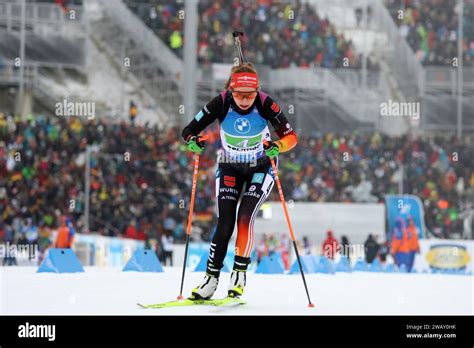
<point>405,206</point>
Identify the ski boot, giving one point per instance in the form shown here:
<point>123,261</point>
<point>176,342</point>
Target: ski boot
<point>206,289</point>
<point>237,283</point>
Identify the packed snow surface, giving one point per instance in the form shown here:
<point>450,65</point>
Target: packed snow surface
<point>101,291</point>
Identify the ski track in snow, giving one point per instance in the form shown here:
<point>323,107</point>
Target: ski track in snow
<point>112,292</point>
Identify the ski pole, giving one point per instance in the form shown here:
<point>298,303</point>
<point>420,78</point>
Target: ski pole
<point>236,35</point>
<point>190,216</point>
<point>282,199</point>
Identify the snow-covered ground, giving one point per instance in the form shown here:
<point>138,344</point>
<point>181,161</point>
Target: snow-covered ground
<point>109,291</point>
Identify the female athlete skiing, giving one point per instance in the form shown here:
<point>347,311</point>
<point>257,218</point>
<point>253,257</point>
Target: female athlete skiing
<point>244,169</point>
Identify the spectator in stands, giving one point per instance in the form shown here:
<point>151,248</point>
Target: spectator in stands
<point>262,248</point>
<point>412,241</point>
<point>330,245</point>
<point>430,28</point>
<point>159,248</point>
<point>141,234</point>
<point>6,237</point>
<point>400,249</point>
<point>65,236</point>
<point>284,250</point>
<point>176,42</point>
<point>132,112</point>
<point>371,248</point>
<point>306,246</point>
<point>181,229</point>
<point>167,242</point>
<point>7,233</point>
<point>272,244</point>
<point>44,241</point>
<point>384,250</point>
<point>345,247</point>
<point>131,231</point>
<point>269,245</point>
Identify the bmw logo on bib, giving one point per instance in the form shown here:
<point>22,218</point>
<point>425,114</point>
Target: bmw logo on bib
<point>242,125</point>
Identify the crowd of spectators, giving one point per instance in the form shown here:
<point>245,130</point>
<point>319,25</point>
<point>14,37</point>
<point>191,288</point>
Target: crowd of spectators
<point>270,245</point>
<point>140,176</point>
<point>331,247</point>
<point>431,29</point>
<point>279,34</point>
<point>283,33</point>
<point>291,33</point>
<point>139,182</point>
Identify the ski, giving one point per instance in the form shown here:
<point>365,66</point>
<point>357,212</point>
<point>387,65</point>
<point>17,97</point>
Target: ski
<point>188,302</point>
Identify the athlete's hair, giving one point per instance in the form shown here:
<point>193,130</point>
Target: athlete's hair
<point>245,67</point>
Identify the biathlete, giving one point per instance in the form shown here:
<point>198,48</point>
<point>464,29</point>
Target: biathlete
<point>244,169</point>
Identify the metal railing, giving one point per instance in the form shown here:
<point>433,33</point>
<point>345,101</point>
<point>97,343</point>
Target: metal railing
<point>442,78</point>
<point>40,14</point>
<point>10,75</point>
<point>143,37</point>
<point>350,97</point>
<point>9,64</point>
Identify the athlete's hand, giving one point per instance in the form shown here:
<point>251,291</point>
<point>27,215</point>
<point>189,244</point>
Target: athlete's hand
<point>195,144</point>
<point>271,149</point>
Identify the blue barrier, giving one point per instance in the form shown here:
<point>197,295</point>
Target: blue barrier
<point>316,260</point>
<point>254,259</point>
<point>403,268</point>
<point>344,265</point>
<point>143,260</point>
<point>307,262</point>
<point>375,266</point>
<point>270,265</point>
<point>361,266</point>
<point>202,265</point>
<point>60,261</point>
<point>324,265</point>
<point>391,268</point>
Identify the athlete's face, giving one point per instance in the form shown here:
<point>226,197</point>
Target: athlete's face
<point>244,96</point>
